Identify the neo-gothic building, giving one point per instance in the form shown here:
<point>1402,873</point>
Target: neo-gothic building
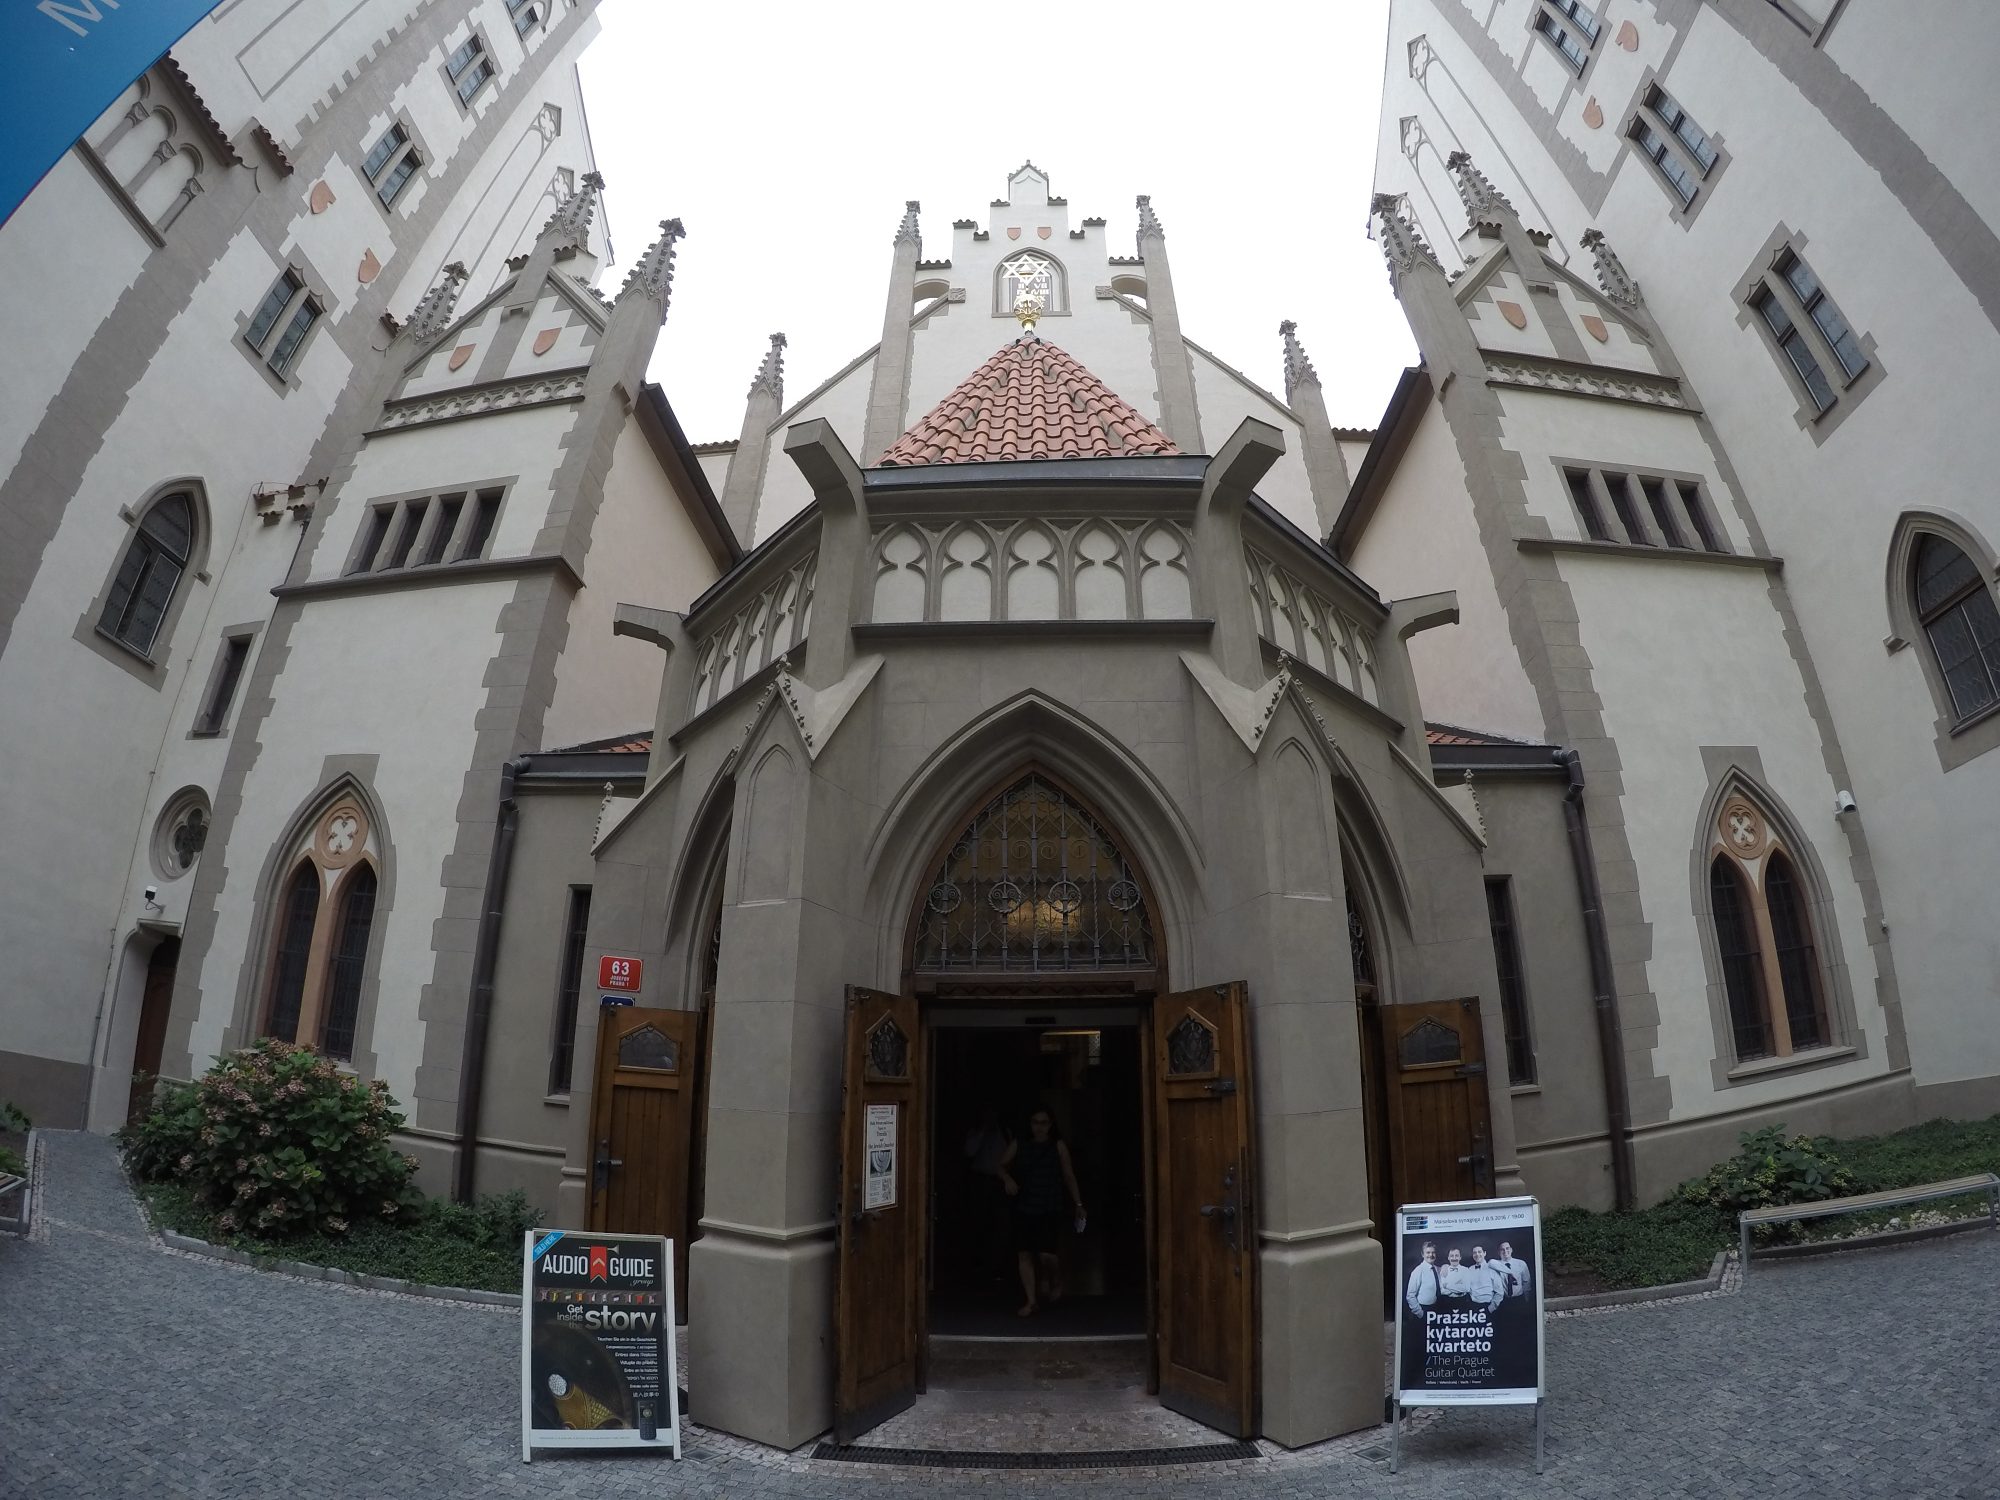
<point>1532,793</point>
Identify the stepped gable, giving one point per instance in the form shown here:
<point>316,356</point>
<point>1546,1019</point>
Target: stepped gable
<point>1030,400</point>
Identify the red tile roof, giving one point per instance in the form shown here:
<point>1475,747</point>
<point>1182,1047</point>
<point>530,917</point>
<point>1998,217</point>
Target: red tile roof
<point>636,743</point>
<point>1454,734</point>
<point>1031,400</point>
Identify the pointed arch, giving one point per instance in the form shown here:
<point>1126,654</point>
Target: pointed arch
<point>1030,271</point>
<point>1033,573</point>
<point>1943,598</point>
<point>164,544</point>
<point>965,573</point>
<point>312,972</point>
<point>1778,986</point>
<point>1030,730</point>
<point>902,576</point>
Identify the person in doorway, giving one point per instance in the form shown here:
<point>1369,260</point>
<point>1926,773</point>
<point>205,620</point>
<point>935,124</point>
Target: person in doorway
<point>986,1147</point>
<point>1422,1292</point>
<point>1036,1174</point>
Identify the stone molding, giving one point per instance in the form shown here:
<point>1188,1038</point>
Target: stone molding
<point>479,401</point>
<point>1620,385</point>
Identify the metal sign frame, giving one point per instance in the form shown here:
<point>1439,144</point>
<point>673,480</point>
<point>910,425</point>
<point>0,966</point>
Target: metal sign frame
<point>1464,1216</point>
<point>667,1435</point>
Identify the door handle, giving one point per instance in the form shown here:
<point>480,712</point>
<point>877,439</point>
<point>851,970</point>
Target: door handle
<point>1228,1210</point>
<point>603,1163</point>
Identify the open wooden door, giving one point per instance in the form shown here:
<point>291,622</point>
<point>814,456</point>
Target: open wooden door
<point>642,1098</point>
<point>1207,1225</point>
<point>1439,1123</point>
<point>879,1303</point>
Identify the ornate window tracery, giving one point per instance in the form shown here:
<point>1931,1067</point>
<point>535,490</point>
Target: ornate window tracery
<point>1035,884</point>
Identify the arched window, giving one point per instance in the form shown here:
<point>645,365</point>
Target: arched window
<point>1030,273</point>
<point>1742,966</point>
<point>294,954</point>
<point>350,957</point>
<point>1034,884</point>
<point>323,925</point>
<point>1761,909</point>
<point>1955,607</point>
<point>143,589</point>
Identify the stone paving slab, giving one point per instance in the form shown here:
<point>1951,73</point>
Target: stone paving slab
<point>128,1371</point>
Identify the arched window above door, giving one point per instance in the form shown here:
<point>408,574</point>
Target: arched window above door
<point>1035,883</point>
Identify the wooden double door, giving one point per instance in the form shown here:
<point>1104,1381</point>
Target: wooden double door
<point>1200,1177</point>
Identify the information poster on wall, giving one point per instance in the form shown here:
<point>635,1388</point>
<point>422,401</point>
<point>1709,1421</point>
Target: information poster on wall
<point>597,1342</point>
<point>1469,1324</point>
<point>879,1145</point>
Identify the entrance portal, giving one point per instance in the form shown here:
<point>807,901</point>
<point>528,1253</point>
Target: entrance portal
<point>992,1069</point>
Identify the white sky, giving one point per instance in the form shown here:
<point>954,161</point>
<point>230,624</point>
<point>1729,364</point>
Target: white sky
<point>787,135</point>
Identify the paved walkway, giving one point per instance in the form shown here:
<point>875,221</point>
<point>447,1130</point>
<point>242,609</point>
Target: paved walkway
<point>126,1370</point>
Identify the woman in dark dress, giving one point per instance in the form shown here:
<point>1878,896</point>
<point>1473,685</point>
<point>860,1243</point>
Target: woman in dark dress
<point>1037,1175</point>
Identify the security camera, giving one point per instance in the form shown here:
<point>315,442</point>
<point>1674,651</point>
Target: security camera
<point>1843,802</point>
<point>152,895</point>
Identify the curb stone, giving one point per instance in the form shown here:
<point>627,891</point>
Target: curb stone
<point>307,1271</point>
<point>1700,1287</point>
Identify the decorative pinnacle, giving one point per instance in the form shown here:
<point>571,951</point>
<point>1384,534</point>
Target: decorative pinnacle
<point>1484,203</point>
<point>908,229</point>
<point>1298,369</point>
<point>569,225</point>
<point>653,272</point>
<point>1402,246</point>
<point>771,374</point>
<point>434,309</point>
<point>1612,276</point>
<point>1149,222</point>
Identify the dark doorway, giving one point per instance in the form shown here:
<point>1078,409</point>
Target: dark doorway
<point>1085,1069</point>
<point>152,1039</point>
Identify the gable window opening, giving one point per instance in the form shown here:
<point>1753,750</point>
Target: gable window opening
<point>287,307</point>
<point>1961,624</point>
<point>151,570</point>
<point>1571,28</point>
<point>486,510</point>
<point>1676,508</point>
<point>413,520</point>
<point>469,68</point>
<point>390,164</point>
<point>447,522</point>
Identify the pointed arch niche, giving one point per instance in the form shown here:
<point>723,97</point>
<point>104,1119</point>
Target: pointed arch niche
<point>1944,604</point>
<point>318,976</point>
<point>1777,985</point>
<point>1036,883</point>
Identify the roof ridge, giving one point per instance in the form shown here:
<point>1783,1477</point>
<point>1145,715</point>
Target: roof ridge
<point>1030,399</point>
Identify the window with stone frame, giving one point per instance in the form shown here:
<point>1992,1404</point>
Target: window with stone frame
<point>1683,156</point>
<point>229,664</point>
<point>277,330</point>
<point>323,929</point>
<point>1570,27</point>
<point>569,987</point>
<point>469,68</point>
<point>1643,510</point>
<point>1513,982</point>
<point>1813,17</point>
<point>142,591</point>
<point>424,531</point>
<point>1954,606</point>
<point>1761,913</point>
<point>391,163</point>
<point>1828,364</point>
<point>1030,274</point>
<point>143,148</point>
<point>527,15</point>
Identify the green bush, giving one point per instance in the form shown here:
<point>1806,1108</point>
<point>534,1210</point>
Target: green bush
<point>11,1164</point>
<point>14,1118</point>
<point>1673,1241</point>
<point>1771,1169</point>
<point>276,1141</point>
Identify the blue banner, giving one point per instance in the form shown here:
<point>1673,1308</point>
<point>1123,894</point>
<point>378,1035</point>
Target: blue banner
<point>65,61</point>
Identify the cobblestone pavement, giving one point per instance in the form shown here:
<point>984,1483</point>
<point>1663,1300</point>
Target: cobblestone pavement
<point>126,1370</point>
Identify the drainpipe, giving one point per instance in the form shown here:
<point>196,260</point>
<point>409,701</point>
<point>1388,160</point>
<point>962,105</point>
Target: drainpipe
<point>1610,1040</point>
<point>485,954</point>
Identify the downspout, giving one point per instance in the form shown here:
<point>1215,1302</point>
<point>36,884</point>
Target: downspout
<point>1610,1030</point>
<point>485,955</point>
